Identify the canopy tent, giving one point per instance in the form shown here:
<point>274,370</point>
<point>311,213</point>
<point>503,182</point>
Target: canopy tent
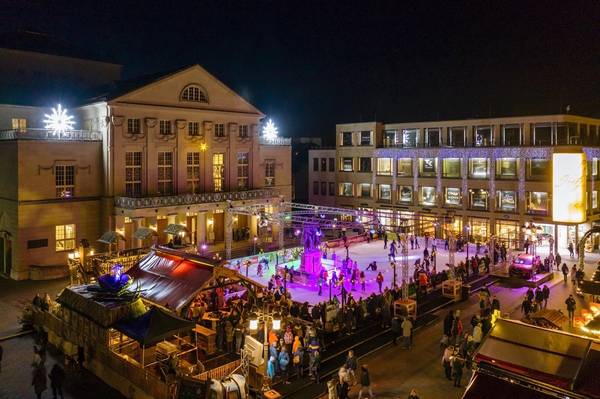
<point>153,326</point>
<point>144,233</point>
<point>175,229</point>
<point>110,237</point>
<point>551,359</point>
<point>483,385</point>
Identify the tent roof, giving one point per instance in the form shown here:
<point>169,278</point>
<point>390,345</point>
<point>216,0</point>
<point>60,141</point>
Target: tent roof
<point>110,237</point>
<point>175,229</point>
<point>143,233</point>
<point>153,326</point>
<point>483,385</point>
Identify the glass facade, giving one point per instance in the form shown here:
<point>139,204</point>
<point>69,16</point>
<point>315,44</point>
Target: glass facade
<point>364,165</point>
<point>432,137</point>
<point>478,199</point>
<point>511,135</point>
<point>427,196</point>
<point>457,136</point>
<point>452,196</point>
<point>385,192</point>
<point>537,202</point>
<point>365,190</point>
<point>478,168</point>
<point>483,136</point>
<point>346,165</point>
<point>346,189</point>
<point>405,167</point>
<point>427,167</point>
<point>538,169</point>
<point>405,194</point>
<point>410,137</point>
<point>384,166</point>
<point>506,200</point>
<point>507,168</point>
<point>451,168</point>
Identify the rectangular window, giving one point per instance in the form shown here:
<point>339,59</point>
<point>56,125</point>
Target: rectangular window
<point>428,196</point>
<point>315,164</point>
<point>65,237</point>
<point>538,169</point>
<point>478,168</point>
<point>346,139</point>
<point>410,138</point>
<point>364,165</point>
<point>405,167</point>
<point>331,188</point>
<point>405,194</point>
<point>365,190</point>
<point>242,170</point>
<point>133,126</point>
<point>506,200</point>
<point>315,188</point>
<point>511,135</point>
<point>64,176</point>
<point>19,124</point>
<point>594,167</point>
<point>193,172</point>
<point>457,136</point>
<point>432,137</point>
<point>346,189</point>
<point>542,134</point>
<point>269,172</point>
<point>133,174</point>
<point>389,138</point>
<point>507,168</point>
<point>41,243</point>
<point>594,199</point>
<point>384,166</point>
<point>218,171</point>
<point>323,188</point>
<point>323,164</point>
<point>346,165</point>
<point>452,196</point>
<point>164,127</point>
<point>332,164</point>
<point>566,133</point>
<point>219,130</point>
<point>427,167</point>
<point>451,168</point>
<point>483,136</point>
<point>365,137</point>
<point>165,173</point>
<point>243,131</point>
<point>385,193</point>
<point>537,202</point>
<point>478,199</point>
<point>194,128</point>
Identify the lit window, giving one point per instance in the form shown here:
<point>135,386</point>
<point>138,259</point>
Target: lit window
<point>478,168</point>
<point>193,172</point>
<point>478,199</point>
<point>427,167</point>
<point>194,128</point>
<point>594,199</point>
<point>483,136</point>
<point>346,189</point>
<point>243,131</point>
<point>542,134</point>
<point>365,190</point>
<point>133,174</point>
<point>365,137</point>
<point>346,164</point>
<point>165,173</point>
<point>452,196</point>
<point>385,192</point>
<point>506,168</point>
<point>384,166</point>
<point>389,138</point>
<point>537,202</point>
<point>164,127</point>
<point>410,137</point>
<point>451,167</point>
<point>428,196</point>
<point>405,194</point>
<point>218,171</point>
<point>507,200</point>
<point>242,167</point>
<point>65,237</point>
<point>219,130</point>
<point>64,176</point>
<point>538,169</point>
<point>594,166</point>
<point>194,93</point>
<point>269,172</point>
<point>346,139</point>
<point>405,167</point>
<point>19,124</point>
<point>133,126</point>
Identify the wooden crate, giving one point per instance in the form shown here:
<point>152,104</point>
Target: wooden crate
<point>406,308</point>
<point>206,339</point>
<point>452,289</point>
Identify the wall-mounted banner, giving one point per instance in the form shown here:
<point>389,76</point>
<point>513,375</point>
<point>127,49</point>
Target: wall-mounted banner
<point>569,187</point>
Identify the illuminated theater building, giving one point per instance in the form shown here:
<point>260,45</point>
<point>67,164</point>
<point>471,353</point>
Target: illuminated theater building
<point>166,154</point>
<point>482,177</point>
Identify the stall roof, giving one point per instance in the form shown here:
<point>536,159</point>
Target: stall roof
<point>153,326</point>
<point>175,229</point>
<point>110,237</point>
<point>143,233</point>
<point>483,385</point>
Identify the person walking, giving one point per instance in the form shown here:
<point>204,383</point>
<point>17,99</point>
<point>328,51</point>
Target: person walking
<point>39,382</point>
<point>316,365</point>
<point>343,389</point>
<point>545,295</point>
<point>407,327</point>
<point>385,240</point>
<point>565,271</point>
<point>57,377</point>
<point>574,276</point>
<point>526,306</point>
<point>380,282</point>
<point>571,251</point>
<point>477,334</point>
<point>557,259</point>
<point>298,360</point>
<point>395,329</point>
<point>365,382</point>
<point>351,366</point>
<point>457,364</point>
<point>571,304</point>
<point>284,361</point>
<point>446,361</point>
<point>332,388</point>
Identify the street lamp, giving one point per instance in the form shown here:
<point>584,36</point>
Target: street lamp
<point>260,316</point>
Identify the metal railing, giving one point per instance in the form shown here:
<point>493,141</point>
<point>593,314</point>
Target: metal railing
<point>45,134</point>
<point>192,199</point>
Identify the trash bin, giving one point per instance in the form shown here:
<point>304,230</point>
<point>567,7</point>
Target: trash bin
<point>466,290</point>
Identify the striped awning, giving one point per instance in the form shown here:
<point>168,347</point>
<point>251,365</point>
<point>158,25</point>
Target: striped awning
<point>175,229</point>
<point>143,233</point>
<point>110,237</point>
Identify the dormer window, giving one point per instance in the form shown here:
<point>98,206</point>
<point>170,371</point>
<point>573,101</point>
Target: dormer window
<point>194,93</point>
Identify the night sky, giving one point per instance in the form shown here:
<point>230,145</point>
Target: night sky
<point>310,65</point>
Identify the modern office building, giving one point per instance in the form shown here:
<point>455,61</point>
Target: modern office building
<point>480,177</point>
<point>321,177</point>
<point>168,154</point>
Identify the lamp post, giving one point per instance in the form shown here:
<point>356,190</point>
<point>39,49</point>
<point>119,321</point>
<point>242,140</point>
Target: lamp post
<point>468,238</point>
<point>254,239</point>
<point>265,318</point>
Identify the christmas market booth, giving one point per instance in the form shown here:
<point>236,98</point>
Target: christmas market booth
<point>129,329</point>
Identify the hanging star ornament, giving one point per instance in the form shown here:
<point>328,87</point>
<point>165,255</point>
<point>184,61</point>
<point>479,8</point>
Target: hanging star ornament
<point>270,131</point>
<point>59,121</point>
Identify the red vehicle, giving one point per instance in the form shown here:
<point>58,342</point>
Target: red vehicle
<point>524,266</point>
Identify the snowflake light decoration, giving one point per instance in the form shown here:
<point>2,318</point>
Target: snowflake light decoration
<point>270,131</point>
<point>59,121</point>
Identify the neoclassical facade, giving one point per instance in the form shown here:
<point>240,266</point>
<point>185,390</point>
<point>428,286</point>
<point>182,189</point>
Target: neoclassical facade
<point>168,154</point>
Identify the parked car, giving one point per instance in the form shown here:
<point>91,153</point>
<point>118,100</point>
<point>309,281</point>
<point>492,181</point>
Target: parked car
<point>523,266</point>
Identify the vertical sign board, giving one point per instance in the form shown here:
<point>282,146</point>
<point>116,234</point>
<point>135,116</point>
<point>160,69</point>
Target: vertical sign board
<point>569,187</point>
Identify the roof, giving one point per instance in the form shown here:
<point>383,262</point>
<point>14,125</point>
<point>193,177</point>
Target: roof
<point>153,326</point>
<point>110,237</point>
<point>482,385</point>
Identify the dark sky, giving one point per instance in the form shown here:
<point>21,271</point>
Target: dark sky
<point>310,65</point>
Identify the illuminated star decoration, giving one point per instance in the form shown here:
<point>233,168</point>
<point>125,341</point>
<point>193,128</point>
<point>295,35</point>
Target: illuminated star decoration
<point>270,131</point>
<point>59,121</point>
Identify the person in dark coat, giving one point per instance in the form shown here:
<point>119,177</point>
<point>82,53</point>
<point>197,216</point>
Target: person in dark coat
<point>457,364</point>
<point>39,380</point>
<point>448,321</point>
<point>565,271</point>
<point>395,329</point>
<point>546,295</point>
<point>57,377</point>
<point>365,382</point>
<point>343,389</point>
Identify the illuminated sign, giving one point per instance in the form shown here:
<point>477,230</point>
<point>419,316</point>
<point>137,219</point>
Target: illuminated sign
<point>568,187</point>
<point>270,131</point>
<point>59,121</point>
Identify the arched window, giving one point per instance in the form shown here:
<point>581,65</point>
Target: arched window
<point>194,93</point>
